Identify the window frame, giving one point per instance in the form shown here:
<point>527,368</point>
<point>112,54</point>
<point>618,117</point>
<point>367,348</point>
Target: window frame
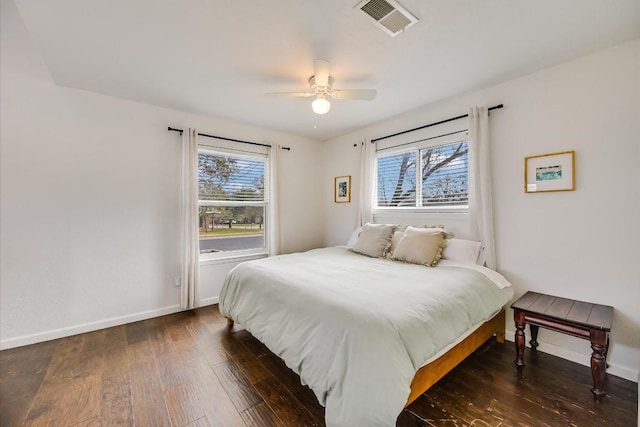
<point>416,146</point>
<point>223,148</point>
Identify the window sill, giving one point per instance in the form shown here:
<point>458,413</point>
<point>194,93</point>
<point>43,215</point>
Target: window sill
<point>463,210</point>
<point>230,258</point>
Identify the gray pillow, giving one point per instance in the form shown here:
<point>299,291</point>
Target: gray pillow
<point>374,240</point>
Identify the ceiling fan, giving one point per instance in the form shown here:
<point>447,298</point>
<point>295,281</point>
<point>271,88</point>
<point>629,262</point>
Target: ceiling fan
<point>321,86</point>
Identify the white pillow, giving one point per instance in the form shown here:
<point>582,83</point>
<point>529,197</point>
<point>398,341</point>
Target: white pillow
<point>374,240</point>
<point>354,237</point>
<point>462,250</point>
<point>420,246</point>
<point>395,239</point>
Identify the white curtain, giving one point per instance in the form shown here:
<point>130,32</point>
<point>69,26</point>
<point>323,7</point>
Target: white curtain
<point>273,218</point>
<point>190,240</point>
<point>480,201</point>
<point>365,201</point>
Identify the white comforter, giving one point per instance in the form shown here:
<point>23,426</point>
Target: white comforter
<point>356,329</point>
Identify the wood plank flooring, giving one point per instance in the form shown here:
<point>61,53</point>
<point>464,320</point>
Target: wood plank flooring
<point>185,370</point>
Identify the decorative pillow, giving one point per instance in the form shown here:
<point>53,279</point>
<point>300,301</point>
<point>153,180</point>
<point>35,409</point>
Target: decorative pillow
<point>462,250</point>
<point>420,246</point>
<point>400,227</point>
<point>397,235</point>
<point>447,234</point>
<point>354,237</point>
<point>374,240</point>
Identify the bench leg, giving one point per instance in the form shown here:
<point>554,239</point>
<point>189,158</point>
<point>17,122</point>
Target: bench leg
<point>534,337</point>
<point>520,339</point>
<point>230,323</point>
<point>598,362</point>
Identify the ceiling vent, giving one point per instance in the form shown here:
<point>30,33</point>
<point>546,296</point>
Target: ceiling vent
<point>388,15</point>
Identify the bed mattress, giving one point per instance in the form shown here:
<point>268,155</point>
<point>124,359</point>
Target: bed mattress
<point>356,329</point>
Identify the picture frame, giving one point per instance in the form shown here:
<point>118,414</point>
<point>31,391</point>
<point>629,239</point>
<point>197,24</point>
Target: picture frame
<point>342,189</point>
<point>550,172</point>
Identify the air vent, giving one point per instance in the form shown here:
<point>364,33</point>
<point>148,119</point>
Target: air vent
<point>388,15</point>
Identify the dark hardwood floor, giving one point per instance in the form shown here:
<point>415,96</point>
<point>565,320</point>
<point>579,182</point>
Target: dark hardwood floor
<point>185,370</point>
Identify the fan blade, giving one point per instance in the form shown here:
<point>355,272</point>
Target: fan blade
<point>361,94</point>
<point>321,72</point>
<point>290,94</point>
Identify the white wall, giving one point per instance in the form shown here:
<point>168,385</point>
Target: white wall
<point>583,244</point>
<point>90,190</point>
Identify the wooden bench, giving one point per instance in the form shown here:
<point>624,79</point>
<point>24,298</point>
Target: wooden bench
<point>576,318</point>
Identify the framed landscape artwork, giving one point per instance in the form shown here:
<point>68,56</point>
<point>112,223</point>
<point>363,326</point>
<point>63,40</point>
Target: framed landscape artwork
<point>342,189</point>
<point>549,172</point>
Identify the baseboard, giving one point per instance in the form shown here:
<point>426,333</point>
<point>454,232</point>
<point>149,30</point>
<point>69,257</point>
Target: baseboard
<point>208,301</point>
<point>86,327</point>
<point>582,359</point>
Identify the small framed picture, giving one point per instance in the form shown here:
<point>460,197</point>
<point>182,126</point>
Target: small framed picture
<point>549,172</point>
<point>342,189</point>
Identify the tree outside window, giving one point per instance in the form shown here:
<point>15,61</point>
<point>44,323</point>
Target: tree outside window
<point>232,201</point>
<point>424,177</point>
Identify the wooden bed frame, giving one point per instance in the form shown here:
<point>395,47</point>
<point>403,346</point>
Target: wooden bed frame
<point>431,373</point>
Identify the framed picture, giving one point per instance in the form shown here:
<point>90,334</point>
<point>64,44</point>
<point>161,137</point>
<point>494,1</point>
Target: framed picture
<point>342,189</point>
<point>550,172</point>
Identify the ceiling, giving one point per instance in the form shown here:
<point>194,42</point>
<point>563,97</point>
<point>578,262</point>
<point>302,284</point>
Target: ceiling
<point>219,57</point>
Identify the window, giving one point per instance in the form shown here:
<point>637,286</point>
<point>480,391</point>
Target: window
<point>424,176</point>
<point>232,201</point>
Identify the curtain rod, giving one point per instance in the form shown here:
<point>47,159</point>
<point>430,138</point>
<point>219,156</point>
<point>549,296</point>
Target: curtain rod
<point>495,107</point>
<point>227,139</point>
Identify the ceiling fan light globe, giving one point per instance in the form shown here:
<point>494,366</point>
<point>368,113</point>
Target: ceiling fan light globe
<point>321,106</point>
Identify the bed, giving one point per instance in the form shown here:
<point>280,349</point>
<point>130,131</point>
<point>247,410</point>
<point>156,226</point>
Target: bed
<point>367,335</point>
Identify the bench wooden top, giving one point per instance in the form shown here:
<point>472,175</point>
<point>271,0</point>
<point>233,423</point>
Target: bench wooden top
<point>568,310</point>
